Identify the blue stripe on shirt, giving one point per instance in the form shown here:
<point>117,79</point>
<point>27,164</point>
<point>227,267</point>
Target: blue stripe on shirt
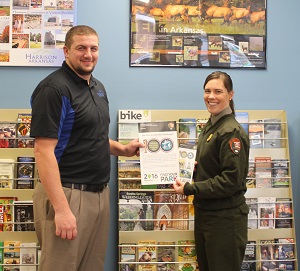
<point>65,127</point>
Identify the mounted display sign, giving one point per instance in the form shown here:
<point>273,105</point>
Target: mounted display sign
<point>32,33</point>
<point>198,33</point>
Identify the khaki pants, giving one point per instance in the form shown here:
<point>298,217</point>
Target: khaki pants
<point>87,251</point>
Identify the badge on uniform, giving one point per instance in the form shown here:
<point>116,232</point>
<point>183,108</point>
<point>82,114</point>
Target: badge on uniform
<point>235,145</point>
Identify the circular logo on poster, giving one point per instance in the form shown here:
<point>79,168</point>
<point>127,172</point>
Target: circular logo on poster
<point>166,144</point>
<point>183,154</point>
<point>190,155</point>
<point>153,145</point>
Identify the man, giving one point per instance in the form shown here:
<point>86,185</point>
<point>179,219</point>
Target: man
<point>70,122</point>
<point>9,133</point>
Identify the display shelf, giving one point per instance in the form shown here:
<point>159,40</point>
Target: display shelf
<point>18,236</point>
<point>280,150</point>
<point>22,194</point>
<point>10,116</point>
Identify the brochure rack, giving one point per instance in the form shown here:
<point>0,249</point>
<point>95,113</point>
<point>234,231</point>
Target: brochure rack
<point>271,142</point>
<point>10,116</point>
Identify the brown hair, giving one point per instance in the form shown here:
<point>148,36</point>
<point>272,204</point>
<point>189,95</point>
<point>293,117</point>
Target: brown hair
<point>78,30</point>
<point>226,81</point>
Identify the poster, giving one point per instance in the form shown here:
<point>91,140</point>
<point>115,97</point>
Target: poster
<point>159,159</point>
<point>198,33</point>
<point>32,32</point>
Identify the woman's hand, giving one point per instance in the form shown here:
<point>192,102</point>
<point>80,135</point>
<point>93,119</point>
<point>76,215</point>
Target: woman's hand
<point>178,186</point>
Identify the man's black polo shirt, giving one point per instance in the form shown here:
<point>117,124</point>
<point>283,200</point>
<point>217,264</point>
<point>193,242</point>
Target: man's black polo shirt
<point>65,107</point>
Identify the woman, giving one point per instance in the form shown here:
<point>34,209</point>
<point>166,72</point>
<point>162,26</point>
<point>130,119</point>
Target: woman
<point>221,213</point>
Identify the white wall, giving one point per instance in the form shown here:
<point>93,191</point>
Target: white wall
<point>178,88</point>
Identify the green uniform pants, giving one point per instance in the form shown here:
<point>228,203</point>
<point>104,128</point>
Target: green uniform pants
<point>221,238</point>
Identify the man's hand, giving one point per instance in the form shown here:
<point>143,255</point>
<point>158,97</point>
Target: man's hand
<point>66,226</point>
<point>133,148</point>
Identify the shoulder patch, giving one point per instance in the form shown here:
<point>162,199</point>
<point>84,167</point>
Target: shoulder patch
<point>235,145</point>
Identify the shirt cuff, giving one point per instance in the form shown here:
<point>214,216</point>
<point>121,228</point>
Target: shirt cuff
<point>188,189</point>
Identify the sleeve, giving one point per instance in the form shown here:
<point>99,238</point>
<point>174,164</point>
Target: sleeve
<point>46,106</point>
<point>189,189</point>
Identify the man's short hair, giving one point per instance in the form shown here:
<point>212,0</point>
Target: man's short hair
<point>6,130</point>
<point>78,30</point>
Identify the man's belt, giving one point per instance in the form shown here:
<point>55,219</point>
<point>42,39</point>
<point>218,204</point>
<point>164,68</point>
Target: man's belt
<point>86,187</point>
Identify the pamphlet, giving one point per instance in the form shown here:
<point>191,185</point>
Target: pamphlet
<point>159,158</point>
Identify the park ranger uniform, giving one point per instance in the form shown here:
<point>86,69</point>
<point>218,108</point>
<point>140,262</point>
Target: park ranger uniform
<point>221,214</point>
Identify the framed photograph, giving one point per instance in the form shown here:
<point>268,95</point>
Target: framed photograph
<point>32,32</point>
<point>198,33</point>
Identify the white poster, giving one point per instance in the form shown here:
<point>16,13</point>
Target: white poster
<point>159,159</point>
<point>32,33</point>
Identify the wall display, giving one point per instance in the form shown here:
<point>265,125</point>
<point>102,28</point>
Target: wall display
<point>198,33</point>
<point>18,240</point>
<point>32,33</point>
<point>168,217</point>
